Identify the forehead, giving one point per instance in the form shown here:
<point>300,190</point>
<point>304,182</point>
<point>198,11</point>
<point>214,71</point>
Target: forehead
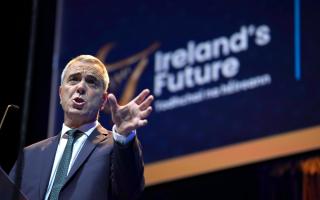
<point>81,67</point>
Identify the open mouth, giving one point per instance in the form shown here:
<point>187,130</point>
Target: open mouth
<point>79,101</point>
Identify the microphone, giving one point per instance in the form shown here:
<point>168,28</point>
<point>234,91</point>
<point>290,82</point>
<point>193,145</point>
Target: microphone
<point>14,107</point>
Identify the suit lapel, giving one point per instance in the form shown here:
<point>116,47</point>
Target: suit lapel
<point>49,151</point>
<point>91,143</point>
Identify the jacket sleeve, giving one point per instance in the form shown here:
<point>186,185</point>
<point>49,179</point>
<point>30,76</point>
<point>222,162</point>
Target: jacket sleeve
<point>127,170</point>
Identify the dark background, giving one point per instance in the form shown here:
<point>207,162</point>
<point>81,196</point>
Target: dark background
<point>262,180</point>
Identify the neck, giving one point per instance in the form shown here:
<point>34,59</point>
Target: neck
<point>77,123</point>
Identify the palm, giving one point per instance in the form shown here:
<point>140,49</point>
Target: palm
<point>132,115</point>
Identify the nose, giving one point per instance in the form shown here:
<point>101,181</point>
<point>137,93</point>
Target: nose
<point>81,87</point>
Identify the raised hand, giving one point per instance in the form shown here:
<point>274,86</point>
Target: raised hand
<point>132,115</point>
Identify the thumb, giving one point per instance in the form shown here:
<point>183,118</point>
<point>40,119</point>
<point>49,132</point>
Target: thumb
<point>112,102</point>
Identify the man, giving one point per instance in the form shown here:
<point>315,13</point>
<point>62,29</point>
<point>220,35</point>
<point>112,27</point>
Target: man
<point>102,164</point>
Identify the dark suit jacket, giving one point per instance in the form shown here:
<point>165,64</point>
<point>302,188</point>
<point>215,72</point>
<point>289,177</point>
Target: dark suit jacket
<point>103,169</point>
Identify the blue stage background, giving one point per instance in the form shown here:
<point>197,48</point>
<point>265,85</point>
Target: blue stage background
<point>263,85</point>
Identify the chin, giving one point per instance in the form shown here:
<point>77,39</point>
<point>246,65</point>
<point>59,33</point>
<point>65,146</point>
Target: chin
<point>75,111</point>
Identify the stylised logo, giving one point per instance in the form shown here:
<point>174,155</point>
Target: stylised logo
<point>198,71</point>
<point>126,72</point>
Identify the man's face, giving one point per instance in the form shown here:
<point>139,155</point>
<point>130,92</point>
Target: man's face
<point>81,93</point>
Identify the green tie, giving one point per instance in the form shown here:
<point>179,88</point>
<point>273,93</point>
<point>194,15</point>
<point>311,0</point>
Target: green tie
<point>63,165</point>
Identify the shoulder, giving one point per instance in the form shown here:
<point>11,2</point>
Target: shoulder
<point>43,143</point>
<point>103,131</point>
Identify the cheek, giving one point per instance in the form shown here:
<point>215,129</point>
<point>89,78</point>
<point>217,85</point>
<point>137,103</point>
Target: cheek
<point>99,100</point>
<point>94,98</point>
<point>63,100</point>
<point>64,96</point>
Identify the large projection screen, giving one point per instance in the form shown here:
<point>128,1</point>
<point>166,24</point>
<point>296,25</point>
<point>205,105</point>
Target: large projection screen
<point>234,82</point>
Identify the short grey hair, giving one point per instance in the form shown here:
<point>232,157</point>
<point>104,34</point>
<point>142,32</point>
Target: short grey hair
<point>88,59</point>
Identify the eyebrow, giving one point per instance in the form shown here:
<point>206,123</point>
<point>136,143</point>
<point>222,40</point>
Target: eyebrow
<point>92,77</point>
<point>74,74</point>
<point>87,76</point>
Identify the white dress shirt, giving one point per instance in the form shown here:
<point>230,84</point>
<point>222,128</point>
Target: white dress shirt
<point>87,129</point>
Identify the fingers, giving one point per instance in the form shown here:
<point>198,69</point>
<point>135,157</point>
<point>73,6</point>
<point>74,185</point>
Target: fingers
<point>144,114</point>
<point>134,113</point>
<point>112,102</point>
<point>142,123</point>
<point>139,99</point>
<point>146,103</point>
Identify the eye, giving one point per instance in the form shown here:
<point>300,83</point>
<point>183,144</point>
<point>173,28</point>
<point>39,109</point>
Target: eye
<point>91,80</point>
<point>73,79</point>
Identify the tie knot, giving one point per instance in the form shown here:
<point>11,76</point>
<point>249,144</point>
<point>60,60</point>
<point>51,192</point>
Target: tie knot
<point>73,133</point>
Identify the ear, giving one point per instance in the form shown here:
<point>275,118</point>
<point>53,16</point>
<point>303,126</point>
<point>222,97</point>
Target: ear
<point>104,100</point>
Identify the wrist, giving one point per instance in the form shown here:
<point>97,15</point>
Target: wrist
<point>123,139</point>
<point>121,131</point>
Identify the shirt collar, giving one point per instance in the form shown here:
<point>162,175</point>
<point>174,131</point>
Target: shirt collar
<point>87,129</point>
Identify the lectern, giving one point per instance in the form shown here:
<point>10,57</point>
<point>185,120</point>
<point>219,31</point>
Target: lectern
<point>8,188</point>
